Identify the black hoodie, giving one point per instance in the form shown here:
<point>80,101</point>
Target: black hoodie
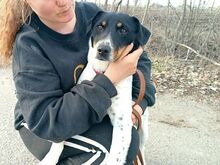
<point>45,70</point>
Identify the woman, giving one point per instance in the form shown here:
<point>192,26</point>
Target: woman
<point>50,44</point>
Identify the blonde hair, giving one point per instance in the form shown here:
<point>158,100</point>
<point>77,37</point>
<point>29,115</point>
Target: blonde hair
<point>13,13</point>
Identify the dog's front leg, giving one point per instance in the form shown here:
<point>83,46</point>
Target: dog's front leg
<point>121,140</point>
<point>53,155</point>
<point>120,114</point>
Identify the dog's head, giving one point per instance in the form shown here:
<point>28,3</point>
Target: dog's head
<point>113,31</point>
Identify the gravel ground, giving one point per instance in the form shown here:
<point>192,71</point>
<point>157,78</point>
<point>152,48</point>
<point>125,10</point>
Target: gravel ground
<point>181,131</point>
<point>12,150</point>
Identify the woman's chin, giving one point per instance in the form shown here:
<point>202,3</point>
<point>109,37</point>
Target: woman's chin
<point>67,17</point>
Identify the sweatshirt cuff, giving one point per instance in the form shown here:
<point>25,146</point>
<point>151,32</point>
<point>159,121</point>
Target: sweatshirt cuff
<point>105,83</point>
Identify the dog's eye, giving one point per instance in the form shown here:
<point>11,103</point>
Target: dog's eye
<point>100,27</point>
<point>123,31</point>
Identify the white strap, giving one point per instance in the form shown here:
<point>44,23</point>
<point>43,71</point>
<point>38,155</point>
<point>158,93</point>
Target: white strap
<point>90,141</point>
<point>93,158</point>
<point>94,143</point>
<point>73,145</point>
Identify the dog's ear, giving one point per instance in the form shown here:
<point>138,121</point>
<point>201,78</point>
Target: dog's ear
<point>143,34</point>
<point>96,18</point>
<point>93,23</point>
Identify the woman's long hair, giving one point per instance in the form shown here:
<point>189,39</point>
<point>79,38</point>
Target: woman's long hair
<point>13,13</point>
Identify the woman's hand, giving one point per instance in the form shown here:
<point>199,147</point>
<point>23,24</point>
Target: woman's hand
<point>125,66</point>
<point>139,110</point>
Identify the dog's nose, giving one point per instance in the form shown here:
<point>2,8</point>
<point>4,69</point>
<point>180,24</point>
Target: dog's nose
<point>103,52</point>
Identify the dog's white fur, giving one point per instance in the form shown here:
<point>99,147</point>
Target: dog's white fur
<point>119,113</point>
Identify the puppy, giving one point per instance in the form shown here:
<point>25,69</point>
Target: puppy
<point>111,32</point>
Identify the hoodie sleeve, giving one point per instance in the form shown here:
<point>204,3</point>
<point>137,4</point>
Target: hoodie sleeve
<point>144,65</point>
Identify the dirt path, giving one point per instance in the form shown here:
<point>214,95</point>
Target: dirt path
<point>182,131</point>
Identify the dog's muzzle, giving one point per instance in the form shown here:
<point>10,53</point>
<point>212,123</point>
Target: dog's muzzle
<point>104,52</point>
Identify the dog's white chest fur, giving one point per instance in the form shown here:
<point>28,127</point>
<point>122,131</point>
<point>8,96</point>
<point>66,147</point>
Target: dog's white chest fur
<point>119,112</point>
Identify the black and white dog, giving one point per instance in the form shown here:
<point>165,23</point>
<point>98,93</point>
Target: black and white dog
<point>111,32</point>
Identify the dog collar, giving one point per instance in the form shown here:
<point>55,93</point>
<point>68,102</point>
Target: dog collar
<point>97,72</point>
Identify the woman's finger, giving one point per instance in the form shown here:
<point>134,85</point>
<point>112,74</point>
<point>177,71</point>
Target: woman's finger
<point>137,53</point>
<point>126,50</point>
<point>133,118</point>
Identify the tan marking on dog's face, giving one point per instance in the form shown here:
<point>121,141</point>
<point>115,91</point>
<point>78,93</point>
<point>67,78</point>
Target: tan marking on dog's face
<point>119,24</point>
<point>103,23</point>
<point>118,54</point>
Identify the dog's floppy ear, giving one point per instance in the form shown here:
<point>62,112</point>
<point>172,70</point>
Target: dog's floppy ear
<point>93,23</point>
<point>97,17</point>
<point>143,34</point>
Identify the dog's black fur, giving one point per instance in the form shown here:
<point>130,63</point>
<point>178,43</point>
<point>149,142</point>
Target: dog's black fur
<point>123,29</point>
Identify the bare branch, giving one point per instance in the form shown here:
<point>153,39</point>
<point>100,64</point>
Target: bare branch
<point>145,17</point>
<point>118,6</point>
<point>199,55</point>
<point>106,4</point>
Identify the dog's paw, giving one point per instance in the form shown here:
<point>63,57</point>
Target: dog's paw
<point>53,155</point>
<point>48,161</point>
<point>44,163</point>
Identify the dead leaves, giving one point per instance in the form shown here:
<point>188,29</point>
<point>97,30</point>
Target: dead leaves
<point>187,78</point>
